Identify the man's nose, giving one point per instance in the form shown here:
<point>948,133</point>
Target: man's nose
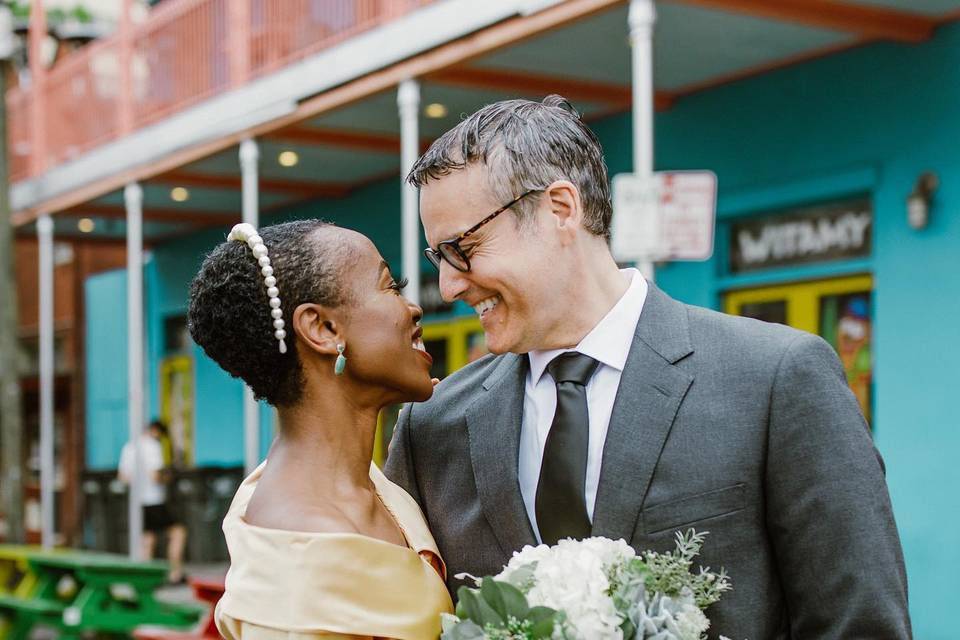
<point>453,282</point>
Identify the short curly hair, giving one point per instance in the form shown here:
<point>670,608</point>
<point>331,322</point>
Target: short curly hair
<point>229,313</point>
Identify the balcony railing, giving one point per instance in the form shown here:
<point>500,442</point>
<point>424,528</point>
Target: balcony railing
<point>186,51</point>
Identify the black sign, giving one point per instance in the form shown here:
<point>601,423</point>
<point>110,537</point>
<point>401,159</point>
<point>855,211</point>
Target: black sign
<point>800,236</point>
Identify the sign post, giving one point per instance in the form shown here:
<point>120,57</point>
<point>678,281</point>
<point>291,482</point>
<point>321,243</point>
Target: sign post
<point>668,216</point>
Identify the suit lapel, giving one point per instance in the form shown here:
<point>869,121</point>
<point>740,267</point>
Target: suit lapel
<point>651,391</point>
<point>493,426</point>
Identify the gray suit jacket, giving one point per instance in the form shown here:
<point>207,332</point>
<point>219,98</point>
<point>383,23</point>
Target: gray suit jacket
<point>729,425</point>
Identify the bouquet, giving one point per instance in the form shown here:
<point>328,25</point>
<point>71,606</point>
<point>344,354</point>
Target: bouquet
<point>593,589</point>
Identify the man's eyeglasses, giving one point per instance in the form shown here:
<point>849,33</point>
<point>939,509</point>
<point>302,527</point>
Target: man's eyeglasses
<point>450,250</point>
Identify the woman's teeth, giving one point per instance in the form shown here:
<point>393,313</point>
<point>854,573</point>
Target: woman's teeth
<point>418,345</point>
<point>484,306</point>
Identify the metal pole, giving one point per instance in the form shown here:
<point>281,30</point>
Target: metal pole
<point>133,199</point>
<point>642,17</point>
<point>408,101</point>
<point>47,471</point>
<point>249,167</point>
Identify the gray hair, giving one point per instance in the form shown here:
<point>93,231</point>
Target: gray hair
<point>526,146</point>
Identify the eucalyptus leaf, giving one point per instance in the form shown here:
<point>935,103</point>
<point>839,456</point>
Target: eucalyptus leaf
<point>515,601</point>
<point>492,595</point>
<point>488,614</point>
<point>467,605</point>
<point>465,630</point>
<point>543,619</point>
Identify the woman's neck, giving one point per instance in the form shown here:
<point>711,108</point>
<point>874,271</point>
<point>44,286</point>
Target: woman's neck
<point>327,441</point>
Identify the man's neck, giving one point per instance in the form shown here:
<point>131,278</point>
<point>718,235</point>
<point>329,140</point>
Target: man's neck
<point>598,289</point>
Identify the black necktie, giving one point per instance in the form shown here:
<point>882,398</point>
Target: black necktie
<point>561,505</point>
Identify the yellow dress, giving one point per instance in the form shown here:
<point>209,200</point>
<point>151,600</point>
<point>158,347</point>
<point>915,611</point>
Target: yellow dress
<point>288,584</point>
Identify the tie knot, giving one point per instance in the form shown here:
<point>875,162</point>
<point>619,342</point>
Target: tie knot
<point>572,367</point>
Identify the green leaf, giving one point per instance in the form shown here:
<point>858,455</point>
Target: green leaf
<point>488,615</point>
<point>493,597</point>
<point>465,630</point>
<point>543,619</point>
<point>515,601</point>
<point>468,607</point>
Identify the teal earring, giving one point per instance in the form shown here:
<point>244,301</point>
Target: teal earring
<point>341,363</point>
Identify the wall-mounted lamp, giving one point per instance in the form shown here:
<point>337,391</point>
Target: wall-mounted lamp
<point>918,202</point>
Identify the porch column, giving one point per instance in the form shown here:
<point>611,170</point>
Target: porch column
<point>249,167</point>
<point>642,17</point>
<point>47,471</point>
<point>408,101</point>
<point>133,200</point>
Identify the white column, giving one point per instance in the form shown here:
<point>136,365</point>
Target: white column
<point>408,101</point>
<point>249,168</point>
<point>642,17</point>
<point>47,469</point>
<point>133,199</point>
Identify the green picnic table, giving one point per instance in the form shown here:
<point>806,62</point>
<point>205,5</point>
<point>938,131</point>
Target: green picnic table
<point>16,576</point>
<point>82,592</point>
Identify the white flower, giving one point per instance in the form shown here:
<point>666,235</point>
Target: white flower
<point>691,622</point>
<point>574,577</point>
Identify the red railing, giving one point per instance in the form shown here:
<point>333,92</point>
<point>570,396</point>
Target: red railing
<point>185,52</point>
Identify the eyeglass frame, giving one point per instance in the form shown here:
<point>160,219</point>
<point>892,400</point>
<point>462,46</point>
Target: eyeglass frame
<point>435,256</point>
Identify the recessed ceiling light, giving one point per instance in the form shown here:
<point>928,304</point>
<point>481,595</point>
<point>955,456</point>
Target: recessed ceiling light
<point>179,194</point>
<point>435,110</point>
<point>288,158</point>
<point>85,225</point>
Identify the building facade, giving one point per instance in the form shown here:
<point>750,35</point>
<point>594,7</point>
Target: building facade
<point>825,137</point>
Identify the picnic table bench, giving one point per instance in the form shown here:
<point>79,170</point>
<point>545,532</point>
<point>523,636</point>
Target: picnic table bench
<point>78,592</point>
<point>208,590</point>
<point>16,576</point>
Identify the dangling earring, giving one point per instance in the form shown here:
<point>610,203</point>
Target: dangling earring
<point>341,363</point>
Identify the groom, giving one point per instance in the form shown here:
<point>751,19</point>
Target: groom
<point>613,410</point>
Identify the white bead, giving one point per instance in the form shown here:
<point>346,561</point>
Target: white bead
<point>260,250</point>
<point>273,292</point>
<point>270,281</point>
<point>267,270</point>
<point>280,334</point>
<point>275,303</point>
<point>264,261</point>
<point>254,241</point>
<point>278,324</point>
<point>276,313</point>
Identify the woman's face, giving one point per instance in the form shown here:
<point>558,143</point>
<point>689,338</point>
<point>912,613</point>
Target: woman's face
<point>382,332</point>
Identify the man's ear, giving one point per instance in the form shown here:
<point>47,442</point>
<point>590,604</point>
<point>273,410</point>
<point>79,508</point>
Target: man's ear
<point>564,200</point>
<point>318,328</point>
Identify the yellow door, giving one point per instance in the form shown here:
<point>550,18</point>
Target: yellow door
<point>838,309</point>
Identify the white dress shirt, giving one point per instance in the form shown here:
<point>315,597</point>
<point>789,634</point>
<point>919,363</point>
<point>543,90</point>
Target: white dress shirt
<point>609,343</point>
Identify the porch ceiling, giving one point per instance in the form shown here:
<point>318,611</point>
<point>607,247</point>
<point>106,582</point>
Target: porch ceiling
<point>698,44</point>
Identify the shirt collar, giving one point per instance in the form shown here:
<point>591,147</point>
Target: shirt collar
<point>609,342</point>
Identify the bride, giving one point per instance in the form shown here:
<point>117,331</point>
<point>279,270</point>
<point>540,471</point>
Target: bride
<point>321,543</point>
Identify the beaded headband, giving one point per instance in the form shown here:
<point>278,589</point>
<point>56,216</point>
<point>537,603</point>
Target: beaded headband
<point>247,233</point>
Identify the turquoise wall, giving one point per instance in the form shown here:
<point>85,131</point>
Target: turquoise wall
<point>105,299</point>
<point>869,120</point>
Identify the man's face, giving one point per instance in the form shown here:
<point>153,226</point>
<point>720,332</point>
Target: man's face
<point>514,283</point>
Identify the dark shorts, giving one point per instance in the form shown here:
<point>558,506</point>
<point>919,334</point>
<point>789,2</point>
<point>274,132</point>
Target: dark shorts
<point>157,517</point>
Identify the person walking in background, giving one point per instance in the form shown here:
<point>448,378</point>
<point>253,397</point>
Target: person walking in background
<point>157,516</point>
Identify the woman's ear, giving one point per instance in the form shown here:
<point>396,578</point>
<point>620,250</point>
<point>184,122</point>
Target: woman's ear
<point>318,328</point>
<point>564,199</point>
